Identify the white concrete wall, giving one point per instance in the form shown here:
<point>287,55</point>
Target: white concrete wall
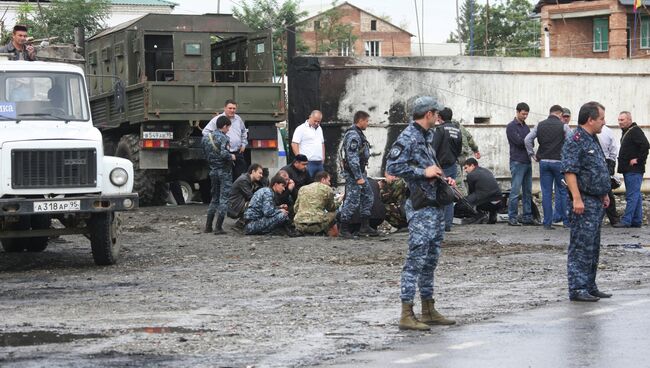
<point>492,87</point>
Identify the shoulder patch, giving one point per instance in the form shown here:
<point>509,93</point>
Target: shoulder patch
<point>353,145</point>
<point>576,136</point>
<point>396,151</point>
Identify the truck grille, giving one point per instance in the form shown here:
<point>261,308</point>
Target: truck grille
<point>53,168</point>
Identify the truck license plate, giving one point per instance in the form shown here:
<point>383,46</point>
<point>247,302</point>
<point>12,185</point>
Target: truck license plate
<point>57,206</point>
<point>157,135</point>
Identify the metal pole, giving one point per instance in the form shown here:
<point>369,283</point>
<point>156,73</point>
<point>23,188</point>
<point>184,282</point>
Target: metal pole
<point>422,42</point>
<point>460,41</point>
<point>218,6</point>
<point>417,22</point>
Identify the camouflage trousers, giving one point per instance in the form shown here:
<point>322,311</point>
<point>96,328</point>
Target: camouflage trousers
<point>584,245</point>
<point>395,216</point>
<point>266,224</point>
<point>356,196</point>
<point>220,191</point>
<point>317,227</point>
<point>460,176</point>
<point>426,231</point>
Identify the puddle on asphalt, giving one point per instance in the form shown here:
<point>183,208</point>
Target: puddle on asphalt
<point>41,337</point>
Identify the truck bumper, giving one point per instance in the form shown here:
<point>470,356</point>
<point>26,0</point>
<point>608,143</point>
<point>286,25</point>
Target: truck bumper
<point>81,204</point>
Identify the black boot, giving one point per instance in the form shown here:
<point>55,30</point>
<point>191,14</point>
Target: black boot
<point>344,231</point>
<point>208,223</point>
<point>366,230</point>
<point>219,229</point>
<point>292,232</point>
<point>493,217</point>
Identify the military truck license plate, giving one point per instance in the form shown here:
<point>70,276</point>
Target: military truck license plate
<point>57,206</point>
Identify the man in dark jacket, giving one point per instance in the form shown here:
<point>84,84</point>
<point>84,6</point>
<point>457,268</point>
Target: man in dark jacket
<point>631,163</point>
<point>448,144</point>
<point>521,169</point>
<point>19,46</point>
<point>242,191</point>
<point>483,189</point>
<point>550,134</point>
<point>297,171</point>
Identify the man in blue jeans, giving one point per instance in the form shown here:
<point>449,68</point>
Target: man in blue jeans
<point>521,169</point>
<point>631,163</point>
<point>550,134</point>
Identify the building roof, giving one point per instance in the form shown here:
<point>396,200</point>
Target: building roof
<point>144,3</point>
<point>356,7</point>
<point>541,3</point>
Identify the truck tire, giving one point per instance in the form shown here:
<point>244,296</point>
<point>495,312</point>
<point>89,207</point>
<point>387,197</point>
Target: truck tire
<point>104,240</point>
<point>38,244</point>
<point>145,182</point>
<point>16,245</point>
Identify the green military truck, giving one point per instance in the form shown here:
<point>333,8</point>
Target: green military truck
<point>155,81</point>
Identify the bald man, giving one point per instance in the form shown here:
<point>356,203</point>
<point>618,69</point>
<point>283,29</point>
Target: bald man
<point>308,140</point>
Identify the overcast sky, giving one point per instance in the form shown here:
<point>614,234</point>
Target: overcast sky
<point>439,15</point>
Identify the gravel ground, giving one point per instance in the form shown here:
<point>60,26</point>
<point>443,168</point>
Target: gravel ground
<point>179,297</point>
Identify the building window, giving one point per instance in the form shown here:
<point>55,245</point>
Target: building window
<point>344,48</point>
<point>316,25</point>
<point>601,34</point>
<point>373,25</point>
<point>233,56</point>
<point>259,48</point>
<point>373,48</point>
<point>192,48</point>
<point>645,32</point>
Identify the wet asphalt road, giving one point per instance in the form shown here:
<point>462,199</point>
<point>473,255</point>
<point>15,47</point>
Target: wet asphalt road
<point>609,333</point>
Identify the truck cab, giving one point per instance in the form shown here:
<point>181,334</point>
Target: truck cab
<point>52,163</point>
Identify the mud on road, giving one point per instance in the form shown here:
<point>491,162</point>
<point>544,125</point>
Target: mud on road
<point>179,297</point>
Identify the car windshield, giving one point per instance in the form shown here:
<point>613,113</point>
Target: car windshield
<point>43,96</point>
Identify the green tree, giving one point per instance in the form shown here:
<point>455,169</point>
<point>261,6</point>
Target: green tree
<point>502,29</point>
<point>466,11</point>
<point>269,14</point>
<point>332,35</point>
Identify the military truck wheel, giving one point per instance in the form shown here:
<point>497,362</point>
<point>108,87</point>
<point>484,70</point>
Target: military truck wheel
<point>104,242</point>
<point>144,181</point>
<point>38,244</point>
<point>16,245</point>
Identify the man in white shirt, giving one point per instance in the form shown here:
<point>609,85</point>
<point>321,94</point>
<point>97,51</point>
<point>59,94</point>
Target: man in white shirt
<point>238,135</point>
<point>610,148</point>
<point>308,140</point>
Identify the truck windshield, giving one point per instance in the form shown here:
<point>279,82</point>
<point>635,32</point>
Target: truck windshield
<point>43,96</point>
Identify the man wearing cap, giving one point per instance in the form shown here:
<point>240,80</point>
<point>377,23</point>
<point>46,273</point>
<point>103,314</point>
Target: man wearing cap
<point>19,46</point>
<point>308,140</point>
<point>566,115</point>
<point>355,152</point>
<point>412,157</point>
<point>550,134</point>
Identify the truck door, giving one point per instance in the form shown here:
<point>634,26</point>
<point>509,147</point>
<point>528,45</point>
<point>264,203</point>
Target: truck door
<point>159,57</point>
<point>259,61</point>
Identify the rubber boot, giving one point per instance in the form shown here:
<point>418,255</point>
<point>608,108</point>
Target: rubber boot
<point>366,230</point>
<point>430,315</point>
<point>408,321</point>
<point>208,223</point>
<point>218,230</point>
<point>345,231</point>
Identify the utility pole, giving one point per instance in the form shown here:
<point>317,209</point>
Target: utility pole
<point>218,6</point>
<point>460,41</point>
<point>487,22</point>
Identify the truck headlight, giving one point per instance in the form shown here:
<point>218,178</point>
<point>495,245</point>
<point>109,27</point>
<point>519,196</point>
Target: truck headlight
<point>119,176</point>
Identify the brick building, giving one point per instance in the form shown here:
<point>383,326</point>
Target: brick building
<point>374,35</point>
<point>595,28</point>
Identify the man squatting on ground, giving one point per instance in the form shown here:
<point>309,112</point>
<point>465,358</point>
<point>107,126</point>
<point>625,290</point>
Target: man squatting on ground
<point>587,178</point>
<point>262,215</point>
<point>355,152</point>
<point>242,191</point>
<point>484,191</point>
<point>238,135</point>
<point>216,146</point>
<point>412,158</point>
<point>315,206</point>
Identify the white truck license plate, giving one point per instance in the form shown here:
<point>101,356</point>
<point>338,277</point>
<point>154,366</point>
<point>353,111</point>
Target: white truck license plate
<point>57,206</point>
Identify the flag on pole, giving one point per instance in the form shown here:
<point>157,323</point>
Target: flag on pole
<point>637,4</point>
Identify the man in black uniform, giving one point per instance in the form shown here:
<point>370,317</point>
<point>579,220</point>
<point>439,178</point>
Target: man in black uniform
<point>483,189</point>
<point>448,144</point>
<point>297,171</point>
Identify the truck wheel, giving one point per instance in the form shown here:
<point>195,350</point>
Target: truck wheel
<point>104,240</point>
<point>38,244</point>
<point>144,181</point>
<point>16,245</point>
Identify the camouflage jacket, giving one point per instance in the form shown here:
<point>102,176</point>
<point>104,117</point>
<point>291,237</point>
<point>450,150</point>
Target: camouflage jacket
<point>261,205</point>
<point>394,196</point>
<point>469,145</point>
<point>314,201</point>
<point>218,154</point>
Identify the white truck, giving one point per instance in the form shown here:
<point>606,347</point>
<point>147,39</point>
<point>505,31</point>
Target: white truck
<point>52,163</point>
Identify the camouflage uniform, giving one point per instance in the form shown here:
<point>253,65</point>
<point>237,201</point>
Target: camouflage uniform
<point>409,156</point>
<point>394,195</point>
<point>356,152</point>
<point>315,208</point>
<point>220,160</point>
<point>469,147</point>
<point>262,216</point>
<point>583,156</point>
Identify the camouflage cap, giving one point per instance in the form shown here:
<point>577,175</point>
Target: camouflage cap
<point>566,112</point>
<point>423,104</point>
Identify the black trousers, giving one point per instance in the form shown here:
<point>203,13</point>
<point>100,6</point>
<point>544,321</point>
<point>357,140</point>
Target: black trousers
<point>239,165</point>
